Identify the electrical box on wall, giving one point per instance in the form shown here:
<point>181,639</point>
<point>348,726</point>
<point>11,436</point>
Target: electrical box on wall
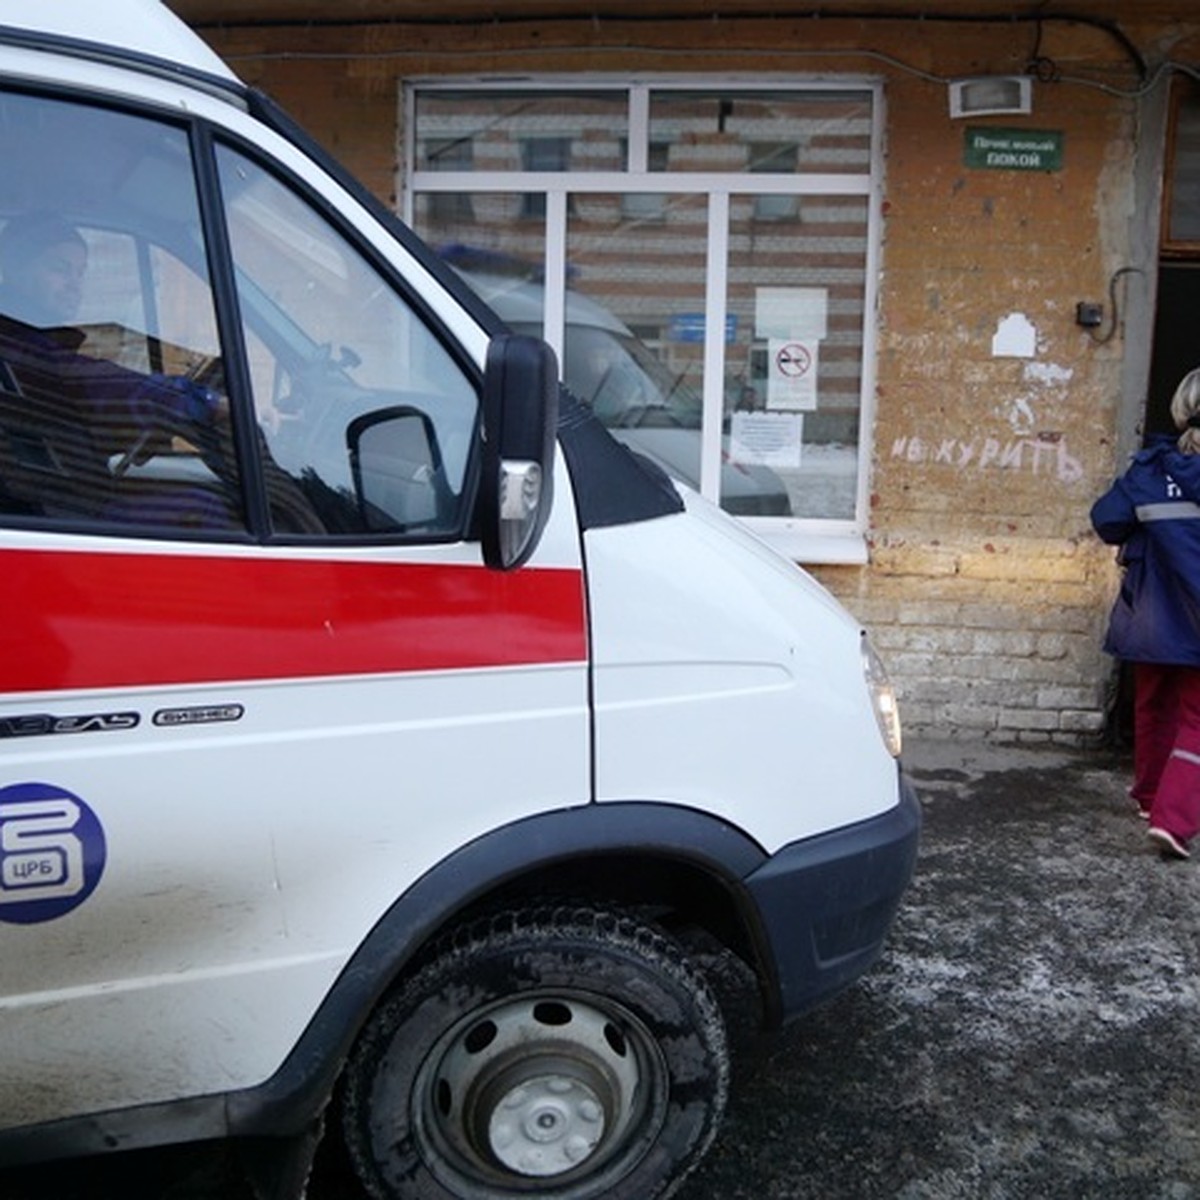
<point>991,95</point>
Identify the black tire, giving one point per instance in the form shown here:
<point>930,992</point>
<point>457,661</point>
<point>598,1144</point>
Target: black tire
<point>563,1054</point>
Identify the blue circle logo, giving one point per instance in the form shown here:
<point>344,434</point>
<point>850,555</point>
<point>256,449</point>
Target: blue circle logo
<point>52,852</point>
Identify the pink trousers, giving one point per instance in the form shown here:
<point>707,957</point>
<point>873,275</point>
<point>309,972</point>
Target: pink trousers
<point>1166,746</point>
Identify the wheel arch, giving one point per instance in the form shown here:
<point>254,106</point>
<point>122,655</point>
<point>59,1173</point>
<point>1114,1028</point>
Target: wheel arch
<point>670,861</point>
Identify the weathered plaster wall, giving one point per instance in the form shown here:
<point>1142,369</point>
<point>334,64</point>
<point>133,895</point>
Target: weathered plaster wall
<point>985,590</point>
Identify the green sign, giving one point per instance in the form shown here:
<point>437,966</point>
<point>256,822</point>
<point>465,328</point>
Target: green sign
<point>1014,149</point>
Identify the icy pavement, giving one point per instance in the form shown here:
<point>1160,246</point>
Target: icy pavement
<point>1032,1028</point>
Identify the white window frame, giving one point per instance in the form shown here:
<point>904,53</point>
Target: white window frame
<point>805,539</point>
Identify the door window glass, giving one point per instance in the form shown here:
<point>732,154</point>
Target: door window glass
<point>367,420</point>
<point>112,392</point>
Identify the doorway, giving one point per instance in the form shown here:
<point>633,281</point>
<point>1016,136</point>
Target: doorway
<point>1175,346</point>
<point>1175,351</point>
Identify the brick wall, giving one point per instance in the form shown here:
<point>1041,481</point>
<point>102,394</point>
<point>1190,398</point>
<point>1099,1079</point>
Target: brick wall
<point>986,592</point>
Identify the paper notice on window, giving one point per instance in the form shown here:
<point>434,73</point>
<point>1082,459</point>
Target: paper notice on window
<point>766,439</point>
<point>792,374</point>
<point>782,313</point>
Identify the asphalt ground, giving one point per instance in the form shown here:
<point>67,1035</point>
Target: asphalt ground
<point>1031,1031</point>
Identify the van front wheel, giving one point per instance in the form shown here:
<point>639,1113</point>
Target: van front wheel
<point>561,1054</point>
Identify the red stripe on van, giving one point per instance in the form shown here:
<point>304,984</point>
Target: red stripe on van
<point>82,620</point>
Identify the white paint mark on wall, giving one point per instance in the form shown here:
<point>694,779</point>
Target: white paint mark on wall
<point>1019,414</point>
<point>1015,337</point>
<point>1044,378</point>
<point>1048,374</point>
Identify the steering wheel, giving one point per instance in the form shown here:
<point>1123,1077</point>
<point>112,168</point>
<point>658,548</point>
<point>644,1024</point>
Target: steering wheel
<point>161,411</point>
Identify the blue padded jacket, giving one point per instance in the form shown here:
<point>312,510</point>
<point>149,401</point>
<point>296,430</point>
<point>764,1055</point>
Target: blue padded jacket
<point>1153,513</point>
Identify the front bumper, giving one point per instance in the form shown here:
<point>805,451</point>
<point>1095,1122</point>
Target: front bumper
<point>826,904</point>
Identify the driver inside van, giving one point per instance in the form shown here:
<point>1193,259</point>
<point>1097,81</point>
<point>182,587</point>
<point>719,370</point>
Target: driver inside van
<point>43,260</point>
<point>75,424</point>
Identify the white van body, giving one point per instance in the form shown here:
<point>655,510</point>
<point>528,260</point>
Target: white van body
<point>357,740</point>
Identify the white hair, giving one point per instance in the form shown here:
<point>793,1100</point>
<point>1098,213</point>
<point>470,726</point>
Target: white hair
<point>1185,407</point>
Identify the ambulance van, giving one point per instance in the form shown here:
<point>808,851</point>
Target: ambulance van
<point>379,739</point>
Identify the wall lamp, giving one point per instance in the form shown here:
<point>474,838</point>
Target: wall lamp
<point>991,95</point>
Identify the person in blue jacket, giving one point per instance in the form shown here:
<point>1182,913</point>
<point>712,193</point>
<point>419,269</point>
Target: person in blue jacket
<point>73,422</point>
<point>1152,512</point>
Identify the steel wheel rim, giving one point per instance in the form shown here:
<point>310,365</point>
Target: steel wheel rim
<point>535,1092</point>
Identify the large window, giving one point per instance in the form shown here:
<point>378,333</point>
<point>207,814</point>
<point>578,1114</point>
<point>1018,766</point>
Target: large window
<point>704,261</point>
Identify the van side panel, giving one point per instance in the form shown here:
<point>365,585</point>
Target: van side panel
<point>220,767</point>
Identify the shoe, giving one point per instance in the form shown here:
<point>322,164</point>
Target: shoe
<point>1168,844</point>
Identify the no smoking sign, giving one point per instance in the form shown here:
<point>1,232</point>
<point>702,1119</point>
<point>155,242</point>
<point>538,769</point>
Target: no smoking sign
<point>793,360</point>
<point>792,383</point>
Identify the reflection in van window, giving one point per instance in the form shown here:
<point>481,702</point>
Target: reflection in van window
<point>654,410</point>
<point>341,366</point>
<point>112,400</point>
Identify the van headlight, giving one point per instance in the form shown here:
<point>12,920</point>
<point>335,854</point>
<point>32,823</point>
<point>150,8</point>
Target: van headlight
<point>883,698</point>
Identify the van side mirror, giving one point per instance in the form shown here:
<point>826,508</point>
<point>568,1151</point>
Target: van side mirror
<point>520,416</point>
